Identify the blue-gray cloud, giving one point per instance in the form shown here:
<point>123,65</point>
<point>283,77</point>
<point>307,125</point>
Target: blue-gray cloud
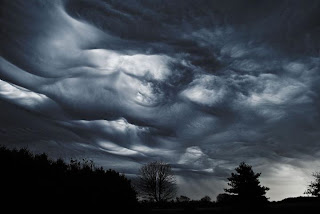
<point>203,85</point>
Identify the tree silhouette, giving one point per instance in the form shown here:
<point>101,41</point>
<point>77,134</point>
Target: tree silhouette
<point>314,186</point>
<point>157,182</point>
<point>246,185</point>
<point>73,187</point>
<point>205,199</point>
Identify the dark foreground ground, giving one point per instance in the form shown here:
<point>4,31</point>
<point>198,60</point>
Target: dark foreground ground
<point>300,205</point>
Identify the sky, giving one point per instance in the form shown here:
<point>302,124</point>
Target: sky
<point>202,85</point>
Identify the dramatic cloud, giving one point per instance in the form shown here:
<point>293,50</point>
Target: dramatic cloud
<point>202,85</point>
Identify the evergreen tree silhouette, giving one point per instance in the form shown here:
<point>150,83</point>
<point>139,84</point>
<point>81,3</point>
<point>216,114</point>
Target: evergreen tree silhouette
<point>246,185</point>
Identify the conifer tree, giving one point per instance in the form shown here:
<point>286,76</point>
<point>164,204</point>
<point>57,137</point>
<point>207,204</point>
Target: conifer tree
<point>246,185</point>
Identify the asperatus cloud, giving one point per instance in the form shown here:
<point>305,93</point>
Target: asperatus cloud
<point>202,85</point>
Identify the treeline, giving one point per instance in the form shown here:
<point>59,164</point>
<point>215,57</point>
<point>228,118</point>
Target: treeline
<point>36,184</point>
<point>39,184</point>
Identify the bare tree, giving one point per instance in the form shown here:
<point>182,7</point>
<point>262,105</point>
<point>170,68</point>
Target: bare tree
<point>157,182</point>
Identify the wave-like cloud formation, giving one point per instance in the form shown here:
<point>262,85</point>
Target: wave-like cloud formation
<point>202,85</point>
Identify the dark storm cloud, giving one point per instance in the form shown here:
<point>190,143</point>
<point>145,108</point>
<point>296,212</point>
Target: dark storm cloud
<point>203,85</point>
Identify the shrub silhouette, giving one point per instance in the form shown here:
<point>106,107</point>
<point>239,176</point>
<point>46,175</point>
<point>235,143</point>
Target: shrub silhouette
<point>182,198</point>
<point>206,199</point>
<point>224,198</point>
<point>42,185</point>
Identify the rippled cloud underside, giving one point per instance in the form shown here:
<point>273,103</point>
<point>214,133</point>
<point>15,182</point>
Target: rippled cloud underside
<point>202,85</point>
